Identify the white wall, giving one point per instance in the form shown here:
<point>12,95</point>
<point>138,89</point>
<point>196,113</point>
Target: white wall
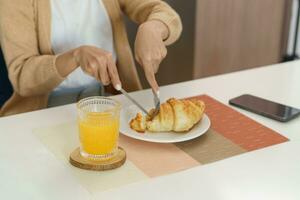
<point>292,30</point>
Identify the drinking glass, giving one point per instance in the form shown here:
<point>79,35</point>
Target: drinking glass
<point>98,120</point>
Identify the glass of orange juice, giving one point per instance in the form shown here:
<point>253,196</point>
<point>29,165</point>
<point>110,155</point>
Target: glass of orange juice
<point>98,120</point>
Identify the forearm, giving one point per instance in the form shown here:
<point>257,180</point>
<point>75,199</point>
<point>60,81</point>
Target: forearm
<point>66,63</point>
<point>148,10</point>
<point>33,75</point>
<point>43,73</point>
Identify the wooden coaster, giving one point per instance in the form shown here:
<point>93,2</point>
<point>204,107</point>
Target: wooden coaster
<point>117,161</point>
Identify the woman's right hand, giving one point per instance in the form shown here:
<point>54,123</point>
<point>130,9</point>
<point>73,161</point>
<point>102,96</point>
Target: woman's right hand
<point>97,63</point>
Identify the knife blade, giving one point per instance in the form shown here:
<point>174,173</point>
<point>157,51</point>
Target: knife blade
<point>133,100</point>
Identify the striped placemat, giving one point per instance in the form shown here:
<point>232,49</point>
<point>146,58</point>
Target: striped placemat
<point>231,133</point>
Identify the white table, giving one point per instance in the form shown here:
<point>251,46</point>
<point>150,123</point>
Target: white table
<point>29,171</point>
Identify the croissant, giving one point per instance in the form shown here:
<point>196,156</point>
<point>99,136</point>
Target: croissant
<point>174,115</point>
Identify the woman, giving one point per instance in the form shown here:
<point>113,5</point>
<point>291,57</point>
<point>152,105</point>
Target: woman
<point>54,48</point>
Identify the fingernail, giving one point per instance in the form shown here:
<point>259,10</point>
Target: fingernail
<point>118,87</point>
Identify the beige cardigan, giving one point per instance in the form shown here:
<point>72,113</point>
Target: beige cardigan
<point>25,40</point>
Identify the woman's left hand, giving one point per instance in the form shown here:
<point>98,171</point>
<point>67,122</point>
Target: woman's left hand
<point>150,49</point>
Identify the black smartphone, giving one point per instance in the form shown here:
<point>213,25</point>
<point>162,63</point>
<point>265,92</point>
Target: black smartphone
<point>265,107</point>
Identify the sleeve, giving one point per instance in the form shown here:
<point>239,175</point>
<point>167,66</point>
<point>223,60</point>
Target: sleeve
<point>143,10</point>
<point>29,72</point>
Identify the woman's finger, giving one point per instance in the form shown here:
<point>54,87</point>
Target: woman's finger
<point>150,76</point>
<point>157,62</point>
<point>86,67</point>
<point>93,68</point>
<point>103,72</point>
<point>113,73</point>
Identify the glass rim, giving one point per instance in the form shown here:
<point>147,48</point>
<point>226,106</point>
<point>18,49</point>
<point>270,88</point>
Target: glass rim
<point>117,106</point>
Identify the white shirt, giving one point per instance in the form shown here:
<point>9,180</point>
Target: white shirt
<point>76,23</point>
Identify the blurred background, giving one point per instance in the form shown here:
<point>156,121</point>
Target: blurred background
<point>222,36</point>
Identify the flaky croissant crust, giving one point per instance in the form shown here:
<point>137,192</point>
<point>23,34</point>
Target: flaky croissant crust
<point>175,115</point>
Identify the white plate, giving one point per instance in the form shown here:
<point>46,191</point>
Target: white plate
<point>130,112</point>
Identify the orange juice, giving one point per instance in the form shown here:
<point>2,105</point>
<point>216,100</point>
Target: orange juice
<point>99,133</point>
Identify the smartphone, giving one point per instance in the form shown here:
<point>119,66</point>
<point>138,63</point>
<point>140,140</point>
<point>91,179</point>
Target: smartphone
<point>265,107</point>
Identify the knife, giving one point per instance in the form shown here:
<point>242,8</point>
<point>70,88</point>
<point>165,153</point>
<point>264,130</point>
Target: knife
<point>156,104</point>
<point>131,99</point>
